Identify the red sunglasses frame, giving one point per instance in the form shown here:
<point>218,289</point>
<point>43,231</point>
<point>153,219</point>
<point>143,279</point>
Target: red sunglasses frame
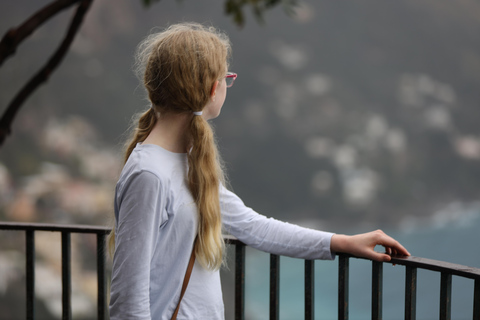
<point>231,75</point>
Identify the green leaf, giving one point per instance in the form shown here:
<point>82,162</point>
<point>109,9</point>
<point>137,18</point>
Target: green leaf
<point>148,3</point>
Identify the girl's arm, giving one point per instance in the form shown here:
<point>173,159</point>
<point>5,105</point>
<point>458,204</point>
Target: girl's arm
<point>282,238</point>
<point>271,235</point>
<point>137,206</point>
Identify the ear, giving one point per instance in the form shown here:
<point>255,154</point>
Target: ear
<point>214,90</point>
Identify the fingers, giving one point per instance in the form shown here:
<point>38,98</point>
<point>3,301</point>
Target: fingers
<point>391,245</point>
<point>381,257</point>
<point>389,250</point>
<point>377,256</point>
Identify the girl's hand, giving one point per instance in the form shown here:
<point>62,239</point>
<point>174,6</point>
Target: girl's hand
<point>363,245</point>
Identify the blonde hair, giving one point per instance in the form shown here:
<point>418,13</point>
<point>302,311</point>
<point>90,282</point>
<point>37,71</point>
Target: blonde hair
<point>180,66</point>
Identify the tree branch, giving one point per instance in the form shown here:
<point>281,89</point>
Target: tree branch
<point>44,73</point>
<point>15,36</point>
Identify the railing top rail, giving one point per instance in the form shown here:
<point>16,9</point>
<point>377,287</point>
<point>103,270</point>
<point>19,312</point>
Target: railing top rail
<point>440,266</point>
<point>433,265</point>
<point>77,228</point>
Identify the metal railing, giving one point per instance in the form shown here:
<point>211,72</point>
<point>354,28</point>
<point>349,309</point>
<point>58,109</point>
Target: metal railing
<point>447,270</point>
<point>412,264</point>
<point>66,231</point>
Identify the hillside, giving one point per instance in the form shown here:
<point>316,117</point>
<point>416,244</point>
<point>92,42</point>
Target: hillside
<point>347,112</point>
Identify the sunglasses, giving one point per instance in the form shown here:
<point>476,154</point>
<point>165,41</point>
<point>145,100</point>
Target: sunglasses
<point>230,79</point>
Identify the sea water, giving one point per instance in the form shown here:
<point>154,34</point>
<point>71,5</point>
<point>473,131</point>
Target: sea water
<point>451,235</point>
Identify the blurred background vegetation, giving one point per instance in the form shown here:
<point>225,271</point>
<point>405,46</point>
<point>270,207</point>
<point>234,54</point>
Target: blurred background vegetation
<point>346,115</point>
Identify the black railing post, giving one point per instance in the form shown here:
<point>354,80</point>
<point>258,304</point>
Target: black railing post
<point>309,289</point>
<point>343,271</point>
<point>30,273</point>
<point>239,281</point>
<point>66,277</point>
<point>101,278</point>
<point>445,296</point>
<point>377,290</point>
<point>274,286</point>
<point>410,293</point>
<point>476,300</point>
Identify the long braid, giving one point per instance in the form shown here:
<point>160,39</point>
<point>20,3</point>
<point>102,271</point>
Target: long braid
<point>204,177</point>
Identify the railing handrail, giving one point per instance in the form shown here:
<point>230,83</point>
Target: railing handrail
<point>73,228</point>
<point>439,266</point>
<point>429,264</point>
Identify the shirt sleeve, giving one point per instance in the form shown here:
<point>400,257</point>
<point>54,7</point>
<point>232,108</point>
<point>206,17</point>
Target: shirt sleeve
<point>139,213</point>
<point>271,235</point>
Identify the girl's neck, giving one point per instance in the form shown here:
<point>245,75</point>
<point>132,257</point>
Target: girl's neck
<point>169,132</point>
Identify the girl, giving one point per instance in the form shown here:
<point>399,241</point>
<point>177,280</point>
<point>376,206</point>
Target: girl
<point>170,202</point>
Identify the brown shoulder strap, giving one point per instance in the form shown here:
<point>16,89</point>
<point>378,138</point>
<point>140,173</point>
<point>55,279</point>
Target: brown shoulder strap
<point>185,282</point>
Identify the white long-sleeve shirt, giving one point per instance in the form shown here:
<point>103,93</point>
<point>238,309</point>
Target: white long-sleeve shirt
<point>156,224</point>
